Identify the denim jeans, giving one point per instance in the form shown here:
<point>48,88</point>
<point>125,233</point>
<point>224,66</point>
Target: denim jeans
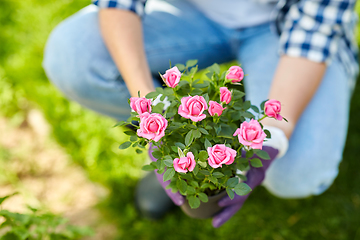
<point>79,64</point>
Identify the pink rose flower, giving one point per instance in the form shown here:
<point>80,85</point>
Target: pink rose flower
<point>193,108</point>
<point>172,77</point>
<point>215,108</point>
<point>220,154</point>
<point>225,95</point>
<point>140,105</point>
<point>152,126</point>
<point>185,164</point>
<point>251,134</point>
<point>273,108</point>
<point>235,73</point>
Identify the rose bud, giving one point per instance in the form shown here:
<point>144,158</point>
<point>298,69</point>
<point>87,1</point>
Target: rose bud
<point>215,108</point>
<point>185,164</point>
<point>235,74</point>
<point>172,77</point>
<point>250,134</point>
<point>140,105</point>
<point>193,108</point>
<point>273,108</point>
<point>152,126</point>
<point>225,95</point>
<point>220,154</point>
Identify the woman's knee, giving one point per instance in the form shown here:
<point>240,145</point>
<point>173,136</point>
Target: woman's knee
<point>301,183</point>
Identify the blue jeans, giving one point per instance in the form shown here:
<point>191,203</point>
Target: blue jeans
<point>79,64</point>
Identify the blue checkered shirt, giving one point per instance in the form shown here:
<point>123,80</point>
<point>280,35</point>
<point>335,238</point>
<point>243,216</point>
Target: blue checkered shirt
<point>315,29</point>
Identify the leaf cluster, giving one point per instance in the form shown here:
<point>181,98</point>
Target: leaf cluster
<point>36,225</point>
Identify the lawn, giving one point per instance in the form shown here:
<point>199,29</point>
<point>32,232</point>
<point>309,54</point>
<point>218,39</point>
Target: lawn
<point>92,143</point>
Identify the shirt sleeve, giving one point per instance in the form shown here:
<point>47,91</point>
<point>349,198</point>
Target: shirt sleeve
<point>136,6</point>
<point>313,28</point>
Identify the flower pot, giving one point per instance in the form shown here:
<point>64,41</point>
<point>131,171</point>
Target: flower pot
<point>205,210</point>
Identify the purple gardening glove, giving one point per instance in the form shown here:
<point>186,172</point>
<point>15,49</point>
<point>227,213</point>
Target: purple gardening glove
<point>255,176</point>
<point>177,198</point>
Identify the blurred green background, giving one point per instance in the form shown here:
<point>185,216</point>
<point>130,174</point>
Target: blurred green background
<point>92,143</point>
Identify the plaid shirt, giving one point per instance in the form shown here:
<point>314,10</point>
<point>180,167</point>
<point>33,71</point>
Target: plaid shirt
<point>315,29</point>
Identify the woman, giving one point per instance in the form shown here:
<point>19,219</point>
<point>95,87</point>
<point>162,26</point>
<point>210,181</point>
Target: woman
<point>301,53</point>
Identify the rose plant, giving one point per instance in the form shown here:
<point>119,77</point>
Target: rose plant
<point>206,135</point>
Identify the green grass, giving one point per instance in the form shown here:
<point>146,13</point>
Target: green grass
<point>92,143</point>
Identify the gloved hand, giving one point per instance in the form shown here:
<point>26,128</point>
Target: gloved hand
<point>255,176</point>
<point>177,198</point>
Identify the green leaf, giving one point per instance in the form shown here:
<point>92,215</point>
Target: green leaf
<point>249,154</point>
<point>202,164</point>
<point>168,91</point>
<point>201,85</point>
<point>195,184</point>
<point>170,172</point>
<point>208,185</point>
<point>170,114</point>
<point>125,145</point>
<point>238,95</point>
<point>255,162</point>
<point>203,155</point>
<point>180,66</point>
<point>152,95</point>
<point>148,168</point>
<point>214,68</point>
<point>168,162</point>
<point>202,130</point>
<point>242,167</point>
<point>262,154</point>
<point>130,133</point>
<point>159,90</point>
<point>191,62</point>
<point>190,190</point>
<point>242,189</point>
<point>156,154</point>
<point>194,202</point>
<point>180,152</point>
<point>230,193</point>
<point>217,129</point>
<point>218,174</point>
<point>205,172</point>
<point>206,97</point>
<point>158,108</point>
<point>248,115</point>
<point>267,132</point>
<point>255,108</point>
<point>181,185</point>
<point>196,91</point>
<point>203,197</point>
<point>246,105</point>
<point>196,169</point>
<point>262,105</point>
<point>189,138</point>
<point>133,138</point>
<point>232,182</point>
<point>197,133</point>
<point>138,151</point>
<point>207,144</point>
<point>180,145</point>
<point>213,179</point>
